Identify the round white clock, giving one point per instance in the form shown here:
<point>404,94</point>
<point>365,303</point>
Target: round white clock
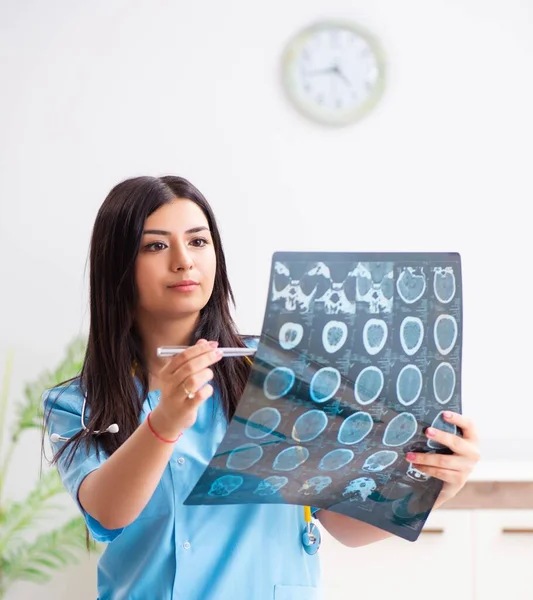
<point>334,72</point>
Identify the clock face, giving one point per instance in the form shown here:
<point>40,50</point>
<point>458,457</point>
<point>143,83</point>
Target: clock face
<point>334,72</point>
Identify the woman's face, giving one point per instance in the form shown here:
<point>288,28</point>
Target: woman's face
<point>176,265</point>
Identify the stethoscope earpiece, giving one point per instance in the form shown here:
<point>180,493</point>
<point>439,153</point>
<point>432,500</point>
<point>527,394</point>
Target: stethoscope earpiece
<point>113,428</point>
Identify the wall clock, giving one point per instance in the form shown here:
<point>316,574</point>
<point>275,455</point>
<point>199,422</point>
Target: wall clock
<point>334,72</point>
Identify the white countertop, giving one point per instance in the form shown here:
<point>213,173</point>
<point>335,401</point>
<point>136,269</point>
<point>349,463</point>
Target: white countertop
<point>502,470</point>
<point>505,459</point>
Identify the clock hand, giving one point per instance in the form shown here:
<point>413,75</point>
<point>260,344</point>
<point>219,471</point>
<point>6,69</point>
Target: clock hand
<point>321,71</point>
<point>338,72</point>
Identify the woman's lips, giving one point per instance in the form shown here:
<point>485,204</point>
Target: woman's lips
<point>184,286</point>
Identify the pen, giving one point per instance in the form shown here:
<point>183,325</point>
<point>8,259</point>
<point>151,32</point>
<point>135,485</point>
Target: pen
<point>165,351</point>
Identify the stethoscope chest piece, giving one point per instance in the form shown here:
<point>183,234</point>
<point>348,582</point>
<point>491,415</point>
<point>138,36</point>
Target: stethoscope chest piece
<point>311,538</point>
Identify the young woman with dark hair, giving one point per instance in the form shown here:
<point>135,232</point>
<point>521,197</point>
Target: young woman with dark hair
<point>136,431</point>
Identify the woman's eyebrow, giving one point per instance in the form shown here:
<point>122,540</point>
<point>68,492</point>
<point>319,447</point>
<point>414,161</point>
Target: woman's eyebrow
<point>156,232</point>
<point>197,229</point>
<point>168,233</point>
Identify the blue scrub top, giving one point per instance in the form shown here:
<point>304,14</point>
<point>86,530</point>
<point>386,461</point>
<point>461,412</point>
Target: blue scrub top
<point>172,551</point>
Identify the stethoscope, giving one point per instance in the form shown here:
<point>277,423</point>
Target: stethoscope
<point>311,537</point>
<point>113,428</point>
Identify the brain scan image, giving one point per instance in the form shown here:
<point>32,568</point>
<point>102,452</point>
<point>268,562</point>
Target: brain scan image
<point>409,385</point>
<point>379,461</point>
<point>225,485</point>
<point>297,293</point>
<point>262,423</point>
<point>411,335</point>
<point>337,296</point>
<point>445,333</point>
<point>368,385</point>
<point>400,430</point>
<point>416,475</point>
<point>411,284</point>
<point>336,459</point>
<point>278,383</point>
<point>355,428</point>
<point>324,384</point>
<point>290,458</point>
<point>244,457</point>
<point>400,508</point>
<point>309,426</point>
<point>334,336</point>
<point>375,286</point>
<point>271,485</point>
<point>315,485</point>
<point>290,335</point>
<point>444,383</point>
<point>375,333</point>
<point>440,423</point>
<point>360,488</point>
<point>359,353</point>
<point>444,284</point>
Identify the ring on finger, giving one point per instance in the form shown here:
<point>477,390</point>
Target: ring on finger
<point>189,394</point>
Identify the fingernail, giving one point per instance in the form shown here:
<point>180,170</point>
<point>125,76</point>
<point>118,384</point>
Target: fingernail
<point>410,456</point>
<point>431,432</point>
<point>448,414</point>
<point>219,353</point>
<point>213,344</point>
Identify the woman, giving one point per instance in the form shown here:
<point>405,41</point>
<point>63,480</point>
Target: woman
<point>158,277</point>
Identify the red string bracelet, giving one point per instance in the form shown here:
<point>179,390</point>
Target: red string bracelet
<point>154,432</point>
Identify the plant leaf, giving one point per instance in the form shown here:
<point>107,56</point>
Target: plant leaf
<point>18,516</point>
<point>30,412</point>
<point>19,557</point>
<point>35,561</point>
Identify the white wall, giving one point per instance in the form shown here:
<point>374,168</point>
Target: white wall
<point>94,92</point>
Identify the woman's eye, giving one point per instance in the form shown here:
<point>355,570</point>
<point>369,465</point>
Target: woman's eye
<point>155,246</point>
<point>199,242</point>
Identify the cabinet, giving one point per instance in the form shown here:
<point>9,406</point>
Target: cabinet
<point>503,553</point>
<point>462,554</point>
<point>439,565</point>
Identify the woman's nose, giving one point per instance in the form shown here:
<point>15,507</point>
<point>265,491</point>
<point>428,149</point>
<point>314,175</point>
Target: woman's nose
<point>181,260</point>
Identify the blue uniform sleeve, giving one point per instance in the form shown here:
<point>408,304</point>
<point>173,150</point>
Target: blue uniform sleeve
<point>62,410</point>
<point>314,510</point>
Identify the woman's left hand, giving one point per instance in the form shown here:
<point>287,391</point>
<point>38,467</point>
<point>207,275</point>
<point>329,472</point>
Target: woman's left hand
<point>454,469</point>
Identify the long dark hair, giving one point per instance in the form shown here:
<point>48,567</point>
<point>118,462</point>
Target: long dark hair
<point>114,344</point>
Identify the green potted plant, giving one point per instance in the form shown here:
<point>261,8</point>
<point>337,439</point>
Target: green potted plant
<point>24,557</point>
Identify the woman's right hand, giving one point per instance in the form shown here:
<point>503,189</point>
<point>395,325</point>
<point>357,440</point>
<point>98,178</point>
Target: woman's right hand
<point>184,383</point>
